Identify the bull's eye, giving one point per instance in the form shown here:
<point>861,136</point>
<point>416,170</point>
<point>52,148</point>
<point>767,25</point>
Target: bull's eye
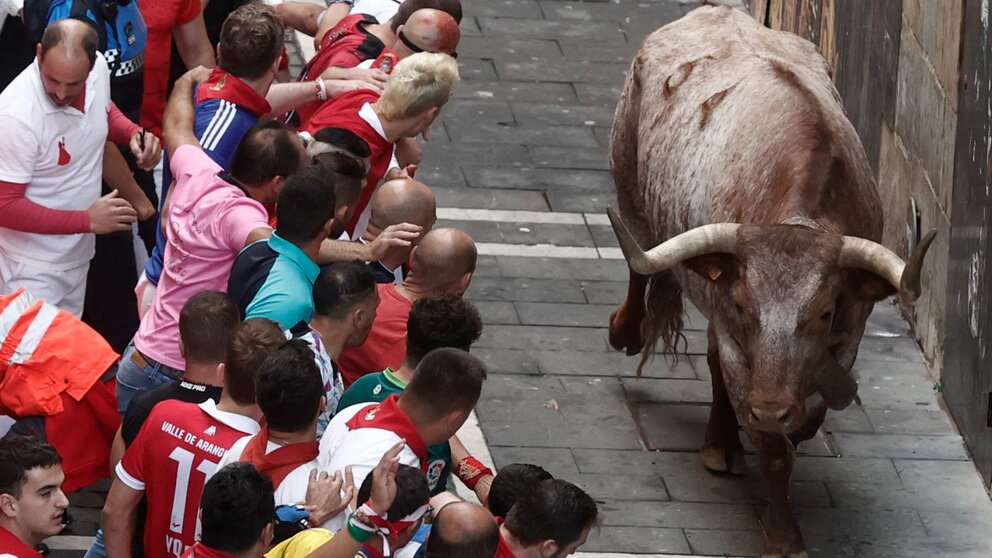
<point>739,307</point>
<point>827,316</point>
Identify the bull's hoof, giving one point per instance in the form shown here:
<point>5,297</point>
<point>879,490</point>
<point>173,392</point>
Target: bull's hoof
<point>723,461</point>
<point>625,334</point>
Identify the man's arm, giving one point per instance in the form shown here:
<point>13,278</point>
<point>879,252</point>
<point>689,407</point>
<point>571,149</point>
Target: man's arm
<point>283,97</point>
<point>193,44</point>
<point>118,175</point>
<point>118,519</point>
<point>481,482</point>
<point>301,16</point>
<point>332,251</point>
<point>177,124</point>
<point>332,17</point>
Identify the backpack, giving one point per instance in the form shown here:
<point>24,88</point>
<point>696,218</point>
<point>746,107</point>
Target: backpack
<point>121,29</point>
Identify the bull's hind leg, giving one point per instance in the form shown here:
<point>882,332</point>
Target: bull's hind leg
<point>625,322</point>
<point>776,455</point>
<point>722,452</point>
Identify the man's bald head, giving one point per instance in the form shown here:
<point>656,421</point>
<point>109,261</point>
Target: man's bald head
<point>444,261</point>
<point>403,200</point>
<point>430,30</point>
<point>465,530</point>
<point>73,39</point>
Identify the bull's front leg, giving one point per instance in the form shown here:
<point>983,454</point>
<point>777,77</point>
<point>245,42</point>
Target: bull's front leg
<point>625,322</point>
<point>776,456</point>
<point>722,451</point>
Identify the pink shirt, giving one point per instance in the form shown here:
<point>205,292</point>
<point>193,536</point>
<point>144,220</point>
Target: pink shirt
<point>209,221</point>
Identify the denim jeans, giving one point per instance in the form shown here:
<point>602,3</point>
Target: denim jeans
<point>132,377</point>
<point>97,549</point>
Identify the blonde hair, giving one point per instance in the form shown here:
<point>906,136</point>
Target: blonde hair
<point>419,82</point>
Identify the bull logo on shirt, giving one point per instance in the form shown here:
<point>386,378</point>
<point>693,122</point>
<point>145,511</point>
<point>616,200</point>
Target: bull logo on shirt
<point>371,414</point>
<point>64,156</point>
<point>220,84</point>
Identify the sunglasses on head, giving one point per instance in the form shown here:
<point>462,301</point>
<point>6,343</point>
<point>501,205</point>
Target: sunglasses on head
<point>414,48</point>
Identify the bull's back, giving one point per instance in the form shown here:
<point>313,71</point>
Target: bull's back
<point>715,107</point>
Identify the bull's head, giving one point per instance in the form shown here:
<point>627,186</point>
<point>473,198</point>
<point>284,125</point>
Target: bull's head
<point>790,305</point>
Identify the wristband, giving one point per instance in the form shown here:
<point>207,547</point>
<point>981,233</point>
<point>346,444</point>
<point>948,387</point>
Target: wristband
<point>359,531</point>
<point>321,89</point>
<point>470,471</point>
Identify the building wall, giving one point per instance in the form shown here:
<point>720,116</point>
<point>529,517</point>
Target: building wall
<point>895,64</point>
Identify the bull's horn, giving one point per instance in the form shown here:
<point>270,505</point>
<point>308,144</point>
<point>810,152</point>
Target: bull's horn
<point>871,256</point>
<point>707,239</point>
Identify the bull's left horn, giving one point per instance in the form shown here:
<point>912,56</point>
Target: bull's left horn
<point>707,239</point>
<point>871,256</point>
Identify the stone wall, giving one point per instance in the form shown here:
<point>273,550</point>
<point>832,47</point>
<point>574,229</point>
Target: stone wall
<point>896,65</point>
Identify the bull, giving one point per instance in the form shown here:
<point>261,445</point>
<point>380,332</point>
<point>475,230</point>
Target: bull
<point>733,158</point>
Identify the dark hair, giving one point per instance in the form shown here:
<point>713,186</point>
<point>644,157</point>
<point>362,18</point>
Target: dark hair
<point>340,287</point>
<point>265,152</point>
<point>434,323</point>
<point>236,505</point>
<point>250,345</point>
<point>288,387</point>
<point>411,492</point>
<point>306,202</point>
<point>450,7</point>
<point>251,39</point>
<point>55,34</point>
<point>347,174</point>
<point>344,139</point>
<point>206,324</point>
<point>553,510</point>
<point>512,483</point>
<point>446,380</point>
<point>20,454</point>
<point>466,538</point>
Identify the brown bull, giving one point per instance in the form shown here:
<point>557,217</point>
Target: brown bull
<point>730,145</point>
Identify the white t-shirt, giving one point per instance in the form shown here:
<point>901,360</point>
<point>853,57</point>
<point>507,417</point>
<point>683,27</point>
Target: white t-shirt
<point>361,450</point>
<point>382,10</point>
<point>292,489</point>
<point>58,153</point>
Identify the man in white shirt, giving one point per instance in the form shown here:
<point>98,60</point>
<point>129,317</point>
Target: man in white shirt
<point>435,404</point>
<point>57,117</point>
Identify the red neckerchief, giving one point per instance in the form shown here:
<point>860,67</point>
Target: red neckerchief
<point>79,103</point>
<point>200,550</point>
<point>280,463</point>
<point>503,550</point>
<point>388,416</point>
<point>224,86</point>
<point>13,545</point>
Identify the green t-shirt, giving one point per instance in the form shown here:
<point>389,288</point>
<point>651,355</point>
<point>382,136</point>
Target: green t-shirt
<point>375,388</point>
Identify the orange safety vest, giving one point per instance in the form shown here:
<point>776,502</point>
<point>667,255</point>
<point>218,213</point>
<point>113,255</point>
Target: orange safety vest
<point>44,352</point>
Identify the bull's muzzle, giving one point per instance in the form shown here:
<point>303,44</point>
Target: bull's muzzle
<point>774,415</point>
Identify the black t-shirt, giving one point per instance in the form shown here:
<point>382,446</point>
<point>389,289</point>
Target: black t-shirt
<point>143,403</point>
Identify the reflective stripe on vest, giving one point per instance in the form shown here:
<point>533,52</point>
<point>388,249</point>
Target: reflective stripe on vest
<point>24,310</point>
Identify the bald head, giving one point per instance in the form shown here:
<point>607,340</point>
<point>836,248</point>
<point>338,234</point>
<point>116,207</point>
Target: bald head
<point>70,38</point>
<point>403,200</point>
<point>430,30</point>
<point>465,530</point>
<point>444,261</point>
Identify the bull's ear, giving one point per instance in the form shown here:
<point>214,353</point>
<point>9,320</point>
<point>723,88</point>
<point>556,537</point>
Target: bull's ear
<point>721,269</point>
<point>868,286</point>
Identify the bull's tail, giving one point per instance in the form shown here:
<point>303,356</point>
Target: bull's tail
<point>663,319</point>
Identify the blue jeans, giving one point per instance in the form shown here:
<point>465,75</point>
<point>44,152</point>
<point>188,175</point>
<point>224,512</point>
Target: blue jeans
<point>132,377</point>
<point>97,549</point>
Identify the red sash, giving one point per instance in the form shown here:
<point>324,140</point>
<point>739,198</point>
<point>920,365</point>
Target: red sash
<point>388,416</point>
<point>280,463</point>
<point>224,86</point>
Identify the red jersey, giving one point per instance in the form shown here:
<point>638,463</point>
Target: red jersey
<point>161,17</point>
<point>175,453</point>
<point>349,111</point>
<point>347,45</point>
<point>385,346</point>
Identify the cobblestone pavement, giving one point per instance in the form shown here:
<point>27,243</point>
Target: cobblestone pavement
<point>518,160</point>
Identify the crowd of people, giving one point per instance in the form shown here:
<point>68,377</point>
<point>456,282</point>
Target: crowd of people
<point>287,374</point>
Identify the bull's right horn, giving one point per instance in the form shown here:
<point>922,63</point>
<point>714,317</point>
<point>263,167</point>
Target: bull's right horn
<point>718,238</point>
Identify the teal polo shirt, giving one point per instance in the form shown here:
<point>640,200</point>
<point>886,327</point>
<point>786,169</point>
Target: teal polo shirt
<point>274,279</point>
